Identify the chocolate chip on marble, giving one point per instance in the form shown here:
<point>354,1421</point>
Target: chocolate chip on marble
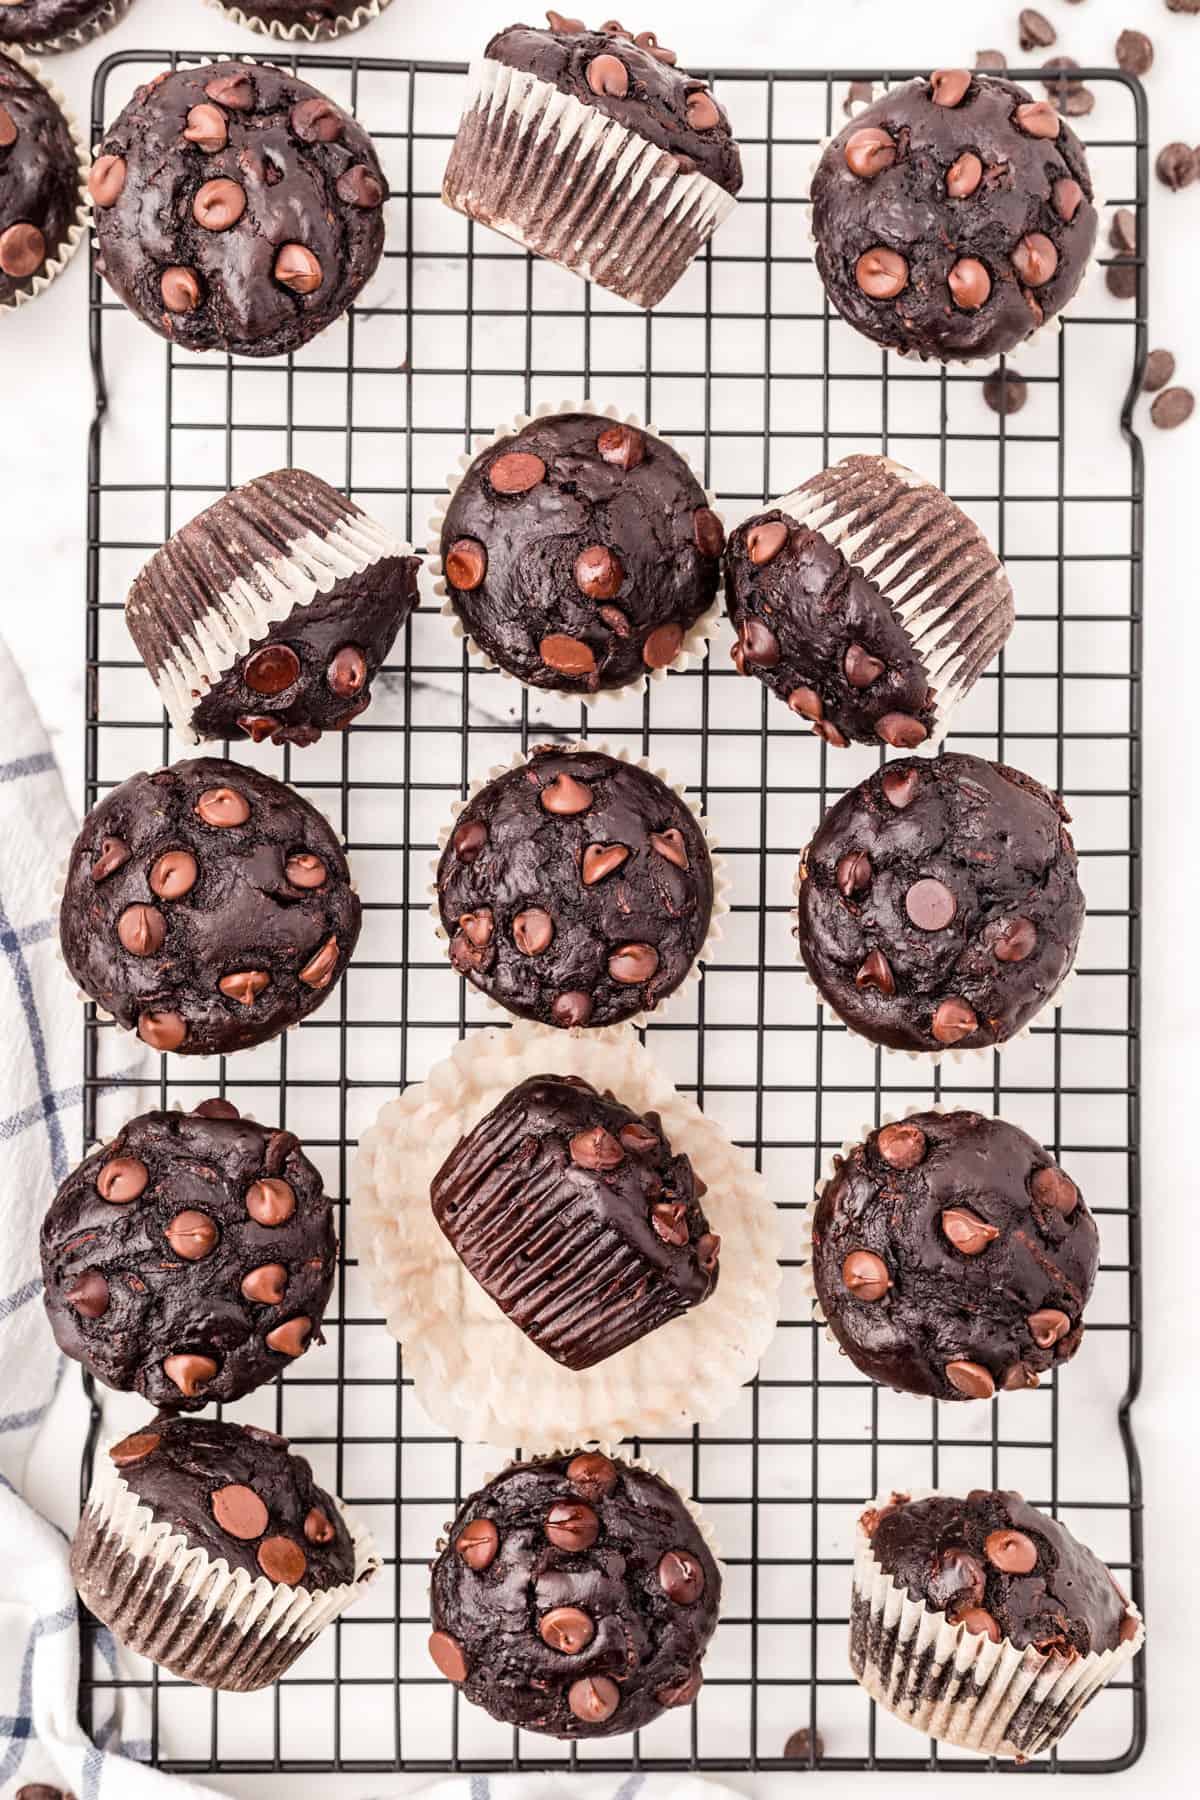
<point>993,60</point>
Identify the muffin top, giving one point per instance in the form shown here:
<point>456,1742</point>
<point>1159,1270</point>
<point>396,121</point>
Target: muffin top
<point>633,80</point>
<point>208,905</point>
<point>939,904</point>
<point>39,177</point>
<point>39,24</point>
<point>238,1493</point>
<point>997,1565</point>
<point>576,889</point>
<point>287,537</point>
<point>578,552</point>
<point>237,208</point>
<point>312,18</point>
<point>586,1185</point>
<point>952,1257</point>
<point>575,1596</point>
<point>825,636</point>
<point>953,216</point>
<point>190,1259</point>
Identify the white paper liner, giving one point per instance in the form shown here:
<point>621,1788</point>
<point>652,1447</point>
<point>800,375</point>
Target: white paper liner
<point>474,1371</point>
<point>249,1604</point>
<point>102,21</point>
<point>77,230</point>
<point>694,647</point>
<point>988,1686</point>
<point>268,591</point>
<point>889,565</point>
<point>721,880</point>
<point>973,1058</point>
<point>309,34</point>
<point>605,232</point>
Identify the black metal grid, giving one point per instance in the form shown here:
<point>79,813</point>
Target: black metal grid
<point>747,369</point>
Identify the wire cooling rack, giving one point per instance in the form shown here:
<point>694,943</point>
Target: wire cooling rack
<point>747,369</point>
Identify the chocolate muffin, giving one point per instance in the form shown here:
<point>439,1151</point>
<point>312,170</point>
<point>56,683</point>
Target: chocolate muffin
<point>573,1214</point>
<point>191,1259</point>
<point>56,24</point>
<point>579,553</point>
<point>576,1597</point>
<point>639,155</point>
<point>983,1622</point>
<point>41,191</point>
<point>209,1548</point>
<point>207,906</point>
<point>310,21</point>
<point>237,208</point>
<point>868,602</point>
<point>953,216</point>
<point>952,1257</point>
<point>269,615</point>
<point>575,889</point>
<point>940,905</point>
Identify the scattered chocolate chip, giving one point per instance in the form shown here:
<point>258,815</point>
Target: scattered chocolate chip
<point>964,176</point>
<point>804,1746</point>
<point>1121,278</point>
<point>930,904</point>
<point>969,283</point>
<point>866,1275</point>
<point>875,972</point>
<point>191,1235</point>
<point>266,1285</point>
<point>567,1629</point>
<point>881,273</point>
<point>1135,52</point>
<point>1048,1327</point>
<point>106,179</point>
<point>971,1379</point>
<point>222,807</point>
<point>1174,406</point>
<point>516,472</point>
<point>681,1576</point>
<point>953,1020</point>
<point>142,929</point>
<point>969,1234</point>
<point>570,1525</point>
<point>1011,1552</point>
<point>902,1146</point>
<point>189,1372</point>
<point>88,1294</point>
<point>948,86</point>
<point>593,1698</point>
<point>853,874</point>
<point>270,1200</point>
<point>994,60</point>
<point>859,93</point>
<point>592,1474</point>
<point>869,151</point>
<point>239,1511</point>
<point>1034,30</point>
<point>282,1560</point>
<point>1005,391</point>
<point>122,1179</point>
<point>633,963</point>
<point>207,129</point>
<point>702,111</point>
<point>219,204</point>
<point>1175,166</point>
<point>1160,366</point>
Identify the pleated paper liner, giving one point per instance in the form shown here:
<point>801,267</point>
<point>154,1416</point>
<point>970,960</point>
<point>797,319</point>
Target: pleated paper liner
<point>323,31</point>
<point>579,188</point>
<point>476,1373</point>
<point>957,1685</point>
<point>694,647</point>
<point>84,33</point>
<point>77,230</point>
<point>171,1601</point>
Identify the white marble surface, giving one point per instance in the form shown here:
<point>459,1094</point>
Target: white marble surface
<point>45,404</point>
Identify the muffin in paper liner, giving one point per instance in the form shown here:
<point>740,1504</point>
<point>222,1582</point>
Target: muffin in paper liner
<point>957,1685</point>
<point>722,881</point>
<point>93,27</point>
<point>932,565</point>
<point>474,1371</point>
<point>577,187</point>
<point>172,1602</point>
<point>356,14</point>
<point>76,232</point>
<point>694,647</point>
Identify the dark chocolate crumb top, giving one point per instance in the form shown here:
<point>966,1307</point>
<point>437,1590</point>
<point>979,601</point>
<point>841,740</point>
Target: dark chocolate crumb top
<point>35,24</point>
<point>576,1597</point>
<point>575,1216</point>
<point>190,1259</point>
<point>207,905</point>
<point>238,1493</point>
<point>578,552</point>
<point>237,208</point>
<point>39,177</point>
<point>576,889</point>
<point>953,216</point>
<point>632,79</point>
<point>939,903</point>
<point>998,1565</point>
<point>952,1257</point>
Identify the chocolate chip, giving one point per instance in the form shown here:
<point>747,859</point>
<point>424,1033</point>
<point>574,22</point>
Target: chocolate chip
<point>964,176</point>
<point>570,656</point>
<point>869,151</point>
<point>244,985</point>
<point>1174,406</point>
<point>173,874</point>
<point>646,40</point>
<point>191,1235</point>
<point>662,646</point>
<point>270,1200</point>
<point>1016,1377</point>
<point>266,1285</point>
<point>807,702</point>
<point>1005,391</point>
<point>478,926</point>
<point>572,1009</point>
<point>222,807</point>
<point>564,796</point>
<point>235,91</point>
<point>1160,366</point>
<point>600,860</point>
<point>304,870</point>
<point>881,273</point>
<point>1015,941</point>
<point>106,179</point>
<point>448,1657</point>
<point>875,972</point>
<point>1034,30</point>
<point>969,1234</point>
<point>1035,259</point>
<point>1068,198</point>
<point>900,730</point>
<point>592,1474</point>
<point>1050,1186</point>
<point>969,283</point>
<point>1121,278</point>
<point>317,121</point>
<point>532,931</point>
<point>318,970</point>
<point>1175,166</point>
<point>281,1559</point>
<point>971,1379</point>
<point>759,643</point>
<point>681,1576</point>
<point>239,1511</point>
<point>804,1746</point>
<point>995,60</point>
<point>596,1149</point>
<point>347,671</point>
<point>900,785</point>
<point>708,532</point>
<point>623,446</point>
<point>567,1629</point>
<point>633,963</point>
<point>207,129</point>
<point>930,904</point>
<point>765,541</point>
<point>477,1544</point>
<point>22,250</point>
<point>953,1020</point>
<point>297,269</point>
<point>8,130</point>
<point>189,1372</point>
<point>669,1220</point>
<point>180,289</point>
<point>114,854</point>
<point>948,86</point>
<point>974,1618</point>
<point>516,472</point>
<point>219,204</point>
<point>680,1693</point>
<point>1011,1552</point>
<point>469,839</point>
<point>593,1698</point>
<point>142,929</point>
<point>615,619</point>
<point>902,1146</point>
<point>865,1275</point>
<point>271,669</point>
<point>570,1525</point>
<point>122,1179</point>
<point>1048,1326</point>
<point>853,874</point>
<point>318,1529</point>
<point>360,186</point>
<point>88,1294</point>
<point>708,1251</point>
<point>291,1338</point>
<point>670,844</point>
<point>1038,119</point>
<point>162,1030</point>
<point>135,1449</point>
<point>607,74</point>
<point>702,111</point>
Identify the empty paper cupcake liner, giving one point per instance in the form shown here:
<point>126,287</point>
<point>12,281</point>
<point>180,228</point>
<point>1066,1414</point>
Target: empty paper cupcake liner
<point>169,1600</point>
<point>91,28</point>
<point>721,879</point>
<point>320,33</point>
<point>694,647</point>
<point>77,230</point>
<point>476,1373</point>
<point>579,188</point>
<point>957,1685</point>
